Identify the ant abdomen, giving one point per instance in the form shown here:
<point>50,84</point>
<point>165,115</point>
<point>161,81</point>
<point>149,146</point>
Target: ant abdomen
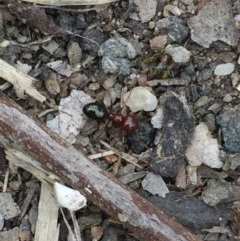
<point>95,111</point>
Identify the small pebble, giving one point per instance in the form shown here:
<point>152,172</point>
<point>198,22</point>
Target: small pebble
<point>94,86</point>
<point>238,87</point>
<point>116,53</point>
<point>178,31</point>
<point>210,121</point>
<point>147,9</point>
<point>154,184</point>
<point>74,53</point>
<point>143,138</point>
<point>216,191</point>
<point>157,119</point>
<point>235,79</point>
<point>52,85</point>
<point>227,98</point>
<point>109,97</point>
<point>108,83</point>
<point>1,221</point>
<point>27,56</point>
<point>203,100</point>
<point>171,9</point>
<point>179,54</point>
<point>22,39</point>
<point>140,98</point>
<point>203,148</point>
<point>4,43</point>
<point>158,42</point>
<point>228,120</point>
<point>224,69</point>
<point>161,24</point>
<point>151,25</point>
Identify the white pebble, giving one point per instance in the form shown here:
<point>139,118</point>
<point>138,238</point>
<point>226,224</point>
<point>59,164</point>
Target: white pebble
<point>140,98</point>
<point>109,97</point>
<point>69,198</point>
<point>157,119</point>
<point>171,9</point>
<point>224,69</point>
<point>237,18</point>
<point>192,174</point>
<point>227,98</point>
<point>179,54</point>
<point>203,149</point>
<point>4,43</point>
<point>94,86</point>
<point>238,87</point>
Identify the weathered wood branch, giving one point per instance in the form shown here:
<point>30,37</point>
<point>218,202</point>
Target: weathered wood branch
<point>70,2</point>
<point>24,134</point>
<point>22,82</point>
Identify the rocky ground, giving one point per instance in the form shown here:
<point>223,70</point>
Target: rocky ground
<point>170,69</point>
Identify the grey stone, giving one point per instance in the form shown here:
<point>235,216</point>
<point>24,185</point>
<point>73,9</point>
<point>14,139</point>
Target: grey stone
<point>142,138</point>
<point>227,98</point>
<point>191,212</point>
<point>229,122</point>
<point>116,53</point>
<point>207,27</point>
<point>177,131</point>
<point>178,31</point>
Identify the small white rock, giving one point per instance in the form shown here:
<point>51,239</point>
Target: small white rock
<point>187,2</point>
<point>4,43</point>
<point>25,68</point>
<point>227,98</point>
<point>171,9</point>
<point>224,69</point>
<point>203,149</point>
<point>192,174</point>
<point>109,97</point>
<point>94,86</point>
<point>179,54</point>
<point>157,119</point>
<point>140,98</point>
<point>155,185</point>
<point>69,198</point>
<point>147,9</point>
<point>238,87</point>
<point>237,18</point>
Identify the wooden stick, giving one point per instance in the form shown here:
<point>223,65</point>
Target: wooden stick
<point>70,2</point>
<point>29,136</point>
<point>22,82</point>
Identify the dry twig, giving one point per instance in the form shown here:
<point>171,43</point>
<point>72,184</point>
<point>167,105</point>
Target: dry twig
<point>70,2</point>
<point>50,152</point>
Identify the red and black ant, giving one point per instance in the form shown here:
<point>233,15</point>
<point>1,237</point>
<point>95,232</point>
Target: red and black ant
<point>97,111</point>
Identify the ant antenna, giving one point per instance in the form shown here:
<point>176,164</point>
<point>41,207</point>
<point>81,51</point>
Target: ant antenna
<point>81,36</point>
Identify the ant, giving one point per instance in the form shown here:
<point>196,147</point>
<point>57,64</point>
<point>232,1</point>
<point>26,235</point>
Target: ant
<point>97,111</point>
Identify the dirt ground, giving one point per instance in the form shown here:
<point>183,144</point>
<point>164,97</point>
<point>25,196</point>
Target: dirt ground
<point>185,56</point>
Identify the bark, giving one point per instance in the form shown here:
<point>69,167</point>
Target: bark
<point>23,133</point>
